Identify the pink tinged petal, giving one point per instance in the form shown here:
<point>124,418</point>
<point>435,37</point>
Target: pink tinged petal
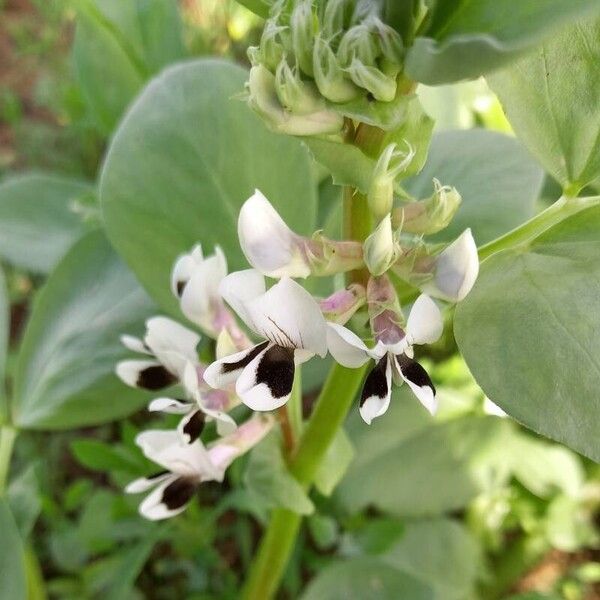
<point>289,316</point>
<point>266,383</point>
<point>183,268</point>
<point>170,406</point>
<point>135,344</point>
<point>418,380</point>
<point>169,499</point>
<point>269,245</point>
<point>455,270</point>
<point>147,374</point>
<point>240,288</point>
<point>341,305</point>
<point>225,371</point>
<point>425,323</point>
<point>377,391</point>
<point>346,347</point>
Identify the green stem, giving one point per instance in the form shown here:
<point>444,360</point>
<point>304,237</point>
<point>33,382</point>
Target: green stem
<point>35,579</point>
<point>357,222</point>
<point>8,435</point>
<point>294,405</point>
<point>277,544</point>
<point>564,207</point>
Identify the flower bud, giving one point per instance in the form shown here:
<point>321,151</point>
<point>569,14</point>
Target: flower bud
<point>390,165</point>
<point>273,44</point>
<point>297,96</point>
<point>454,270</point>
<point>358,44</point>
<point>390,42</point>
<point>329,257</point>
<point>336,17</point>
<point>302,23</point>
<point>385,314</point>
<point>341,305</point>
<point>431,215</point>
<point>381,86</point>
<point>329,75</point>
<point>380,248</point>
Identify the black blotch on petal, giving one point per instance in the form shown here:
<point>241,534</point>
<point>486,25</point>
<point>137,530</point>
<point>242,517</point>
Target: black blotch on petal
<point>180,287</point>
<point>155,378</point>
<point>376,383</point>
<point>179,493</point>
<point>194,426</point>
<point>246,360</point>
<point>414,372</point>
<point>276,370</point>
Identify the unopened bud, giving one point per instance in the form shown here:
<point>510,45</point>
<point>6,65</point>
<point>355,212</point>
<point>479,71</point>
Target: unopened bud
<point>358,44</point>
<point>431,215</point>
<point>381,86</point>
<point>302,23</point>
<point>336,16</point>
<point>390,165</point>
<point>294,94</point>
<point>381,248</point>
<point>329,75</point>
<point>390,42</point>
<point>385,314</point>
<point>341,305</point>
<point>273,44</point>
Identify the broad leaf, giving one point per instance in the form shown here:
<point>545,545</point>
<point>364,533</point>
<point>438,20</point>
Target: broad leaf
<point>467,38</point>
<point>182,164</point>
<point>12,569</point>
<point>24,500</point>
<point>65,369</point>
<point>497,179</point>
<point>366,579</point>
<point>552,99</point>
<point>441,552</point>
<point>38,219</point>
<point>334,464</point>
<point>529,332</point>
<point>410,468</point>
<point>4,338</point>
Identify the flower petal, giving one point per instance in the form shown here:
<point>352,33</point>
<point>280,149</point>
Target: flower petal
<point>143,484</point>
<point>135,344</point>
<point>170,406</point>
<point>346,347</point>
<point>377,391</point>
<point>290,317</point>
<point>147,374</point>
<point>225,371</point>
<point>266,383</point>
<point>169,499</point>
<point>183,269</point>
<point>242,287</point>
<point>268,243</point>
<point>456,270</point>
<point>425,323</point>
<point>418,380</point>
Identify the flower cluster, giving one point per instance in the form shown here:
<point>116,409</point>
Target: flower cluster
<point>288,326</point>
<point>315,66</point>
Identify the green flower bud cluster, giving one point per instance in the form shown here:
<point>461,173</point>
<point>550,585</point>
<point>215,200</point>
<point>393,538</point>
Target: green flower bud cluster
<point>314,64</point>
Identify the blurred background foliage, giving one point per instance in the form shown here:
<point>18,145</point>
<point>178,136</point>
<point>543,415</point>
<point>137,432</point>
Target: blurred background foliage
<point>469,502</point>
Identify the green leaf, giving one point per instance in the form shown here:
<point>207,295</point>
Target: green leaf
<point>497,179</point>
<point>267,478</point>
<point>38,222</point>
<point>258,7</point>
<point>408,468</point>
<point>335,463</point>
<point>202,156</point>
<point>467,38</point>
<point>441,552</point>
<point>551,99</point>
<point>12,570</point>
<point>65,369</point>
<point>4,339</point>
<point>118,45</point>
<point>100,456</point>
<point>24,500</point>
<point>365,579</point>
<point>528,331</point>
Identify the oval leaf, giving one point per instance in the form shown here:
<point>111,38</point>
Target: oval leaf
<point>12,570</point>
<point>65,369</point>
<point>182,163</point>
<point>529,332</point>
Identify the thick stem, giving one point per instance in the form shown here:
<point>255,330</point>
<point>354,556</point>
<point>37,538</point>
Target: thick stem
<point>8,435</point>
<point>333,403</point>
<point>357,222</point>
<point>295,404</point>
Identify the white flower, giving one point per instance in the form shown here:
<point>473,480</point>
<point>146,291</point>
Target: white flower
<point>268,244</point>
<point>455,270</point>
<point>188,465</point>
<point>288,319</point>
<point>394,358</point>
<point>381,248</point>
<point>195,281</point>
<point>168,346</point>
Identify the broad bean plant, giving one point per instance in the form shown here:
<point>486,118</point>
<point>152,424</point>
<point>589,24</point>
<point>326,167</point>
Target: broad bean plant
<point>295,271</point>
